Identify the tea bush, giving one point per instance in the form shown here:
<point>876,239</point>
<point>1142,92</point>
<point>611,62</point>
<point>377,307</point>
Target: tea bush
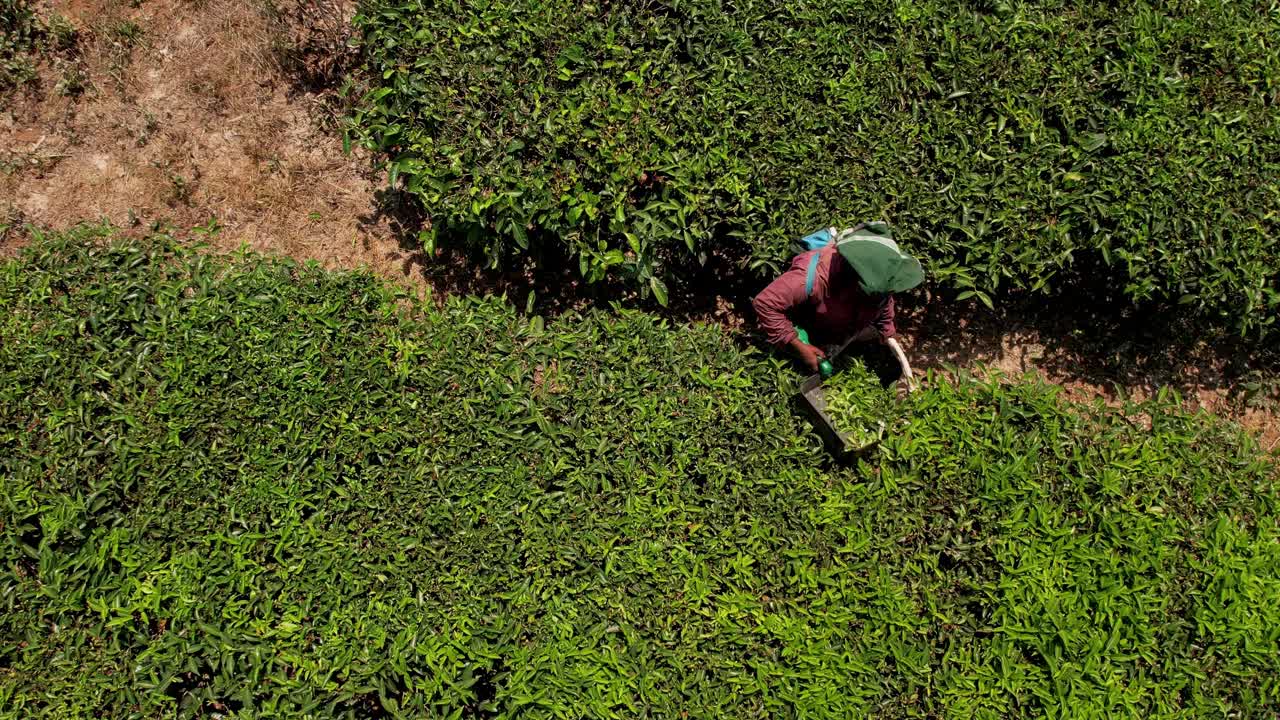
<point>20,32</point>
<point>1022,146</point>
<point>233,485</point>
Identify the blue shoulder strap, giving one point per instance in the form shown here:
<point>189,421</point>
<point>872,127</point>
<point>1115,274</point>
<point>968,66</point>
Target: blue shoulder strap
<point>809,276</point>
<point>813,241</point>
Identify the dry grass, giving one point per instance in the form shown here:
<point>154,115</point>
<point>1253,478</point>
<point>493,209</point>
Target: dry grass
<point>192,118</point>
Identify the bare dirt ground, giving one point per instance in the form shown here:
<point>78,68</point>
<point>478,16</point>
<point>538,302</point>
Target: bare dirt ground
<point>1092,358</point>
<point>185,116</point>
<point>179,112</point>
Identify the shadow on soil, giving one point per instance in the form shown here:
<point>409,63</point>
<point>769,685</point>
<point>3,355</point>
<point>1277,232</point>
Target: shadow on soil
<point>1074,339</point>
<point>1086,336</point>
<point>718,290</point>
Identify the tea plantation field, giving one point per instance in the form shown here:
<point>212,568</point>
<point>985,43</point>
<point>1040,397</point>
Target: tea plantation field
<point>234,485</point>
<point>1026,146</point>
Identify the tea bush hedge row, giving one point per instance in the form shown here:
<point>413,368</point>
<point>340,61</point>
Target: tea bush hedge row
<point>1014,145</point>
<point>20,32</point>
<point>250,487</point>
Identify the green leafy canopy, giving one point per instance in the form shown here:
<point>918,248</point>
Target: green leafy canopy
<point>234,486</point>
<point>1015,146</point>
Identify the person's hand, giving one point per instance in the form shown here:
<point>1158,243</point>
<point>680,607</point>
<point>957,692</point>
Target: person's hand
<point>810,355</point>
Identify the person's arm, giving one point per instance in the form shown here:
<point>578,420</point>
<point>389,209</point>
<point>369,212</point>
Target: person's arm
<point>884,324</point>
<point>775,301</point>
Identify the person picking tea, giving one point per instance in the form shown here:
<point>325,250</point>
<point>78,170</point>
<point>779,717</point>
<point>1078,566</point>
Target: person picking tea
<point>842,287</point>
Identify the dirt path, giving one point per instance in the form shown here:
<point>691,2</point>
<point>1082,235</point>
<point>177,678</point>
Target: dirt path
<point>1092,360</point>
<point>184,117</point>
<point>179,112</point>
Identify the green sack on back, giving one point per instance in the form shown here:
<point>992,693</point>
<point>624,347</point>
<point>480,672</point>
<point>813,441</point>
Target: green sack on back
<point>883,267</point>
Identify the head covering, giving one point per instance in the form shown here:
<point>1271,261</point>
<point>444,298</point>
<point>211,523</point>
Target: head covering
<point>883,268</point>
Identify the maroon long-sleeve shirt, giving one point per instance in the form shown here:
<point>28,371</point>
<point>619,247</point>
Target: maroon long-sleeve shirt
<point>835,310</point>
